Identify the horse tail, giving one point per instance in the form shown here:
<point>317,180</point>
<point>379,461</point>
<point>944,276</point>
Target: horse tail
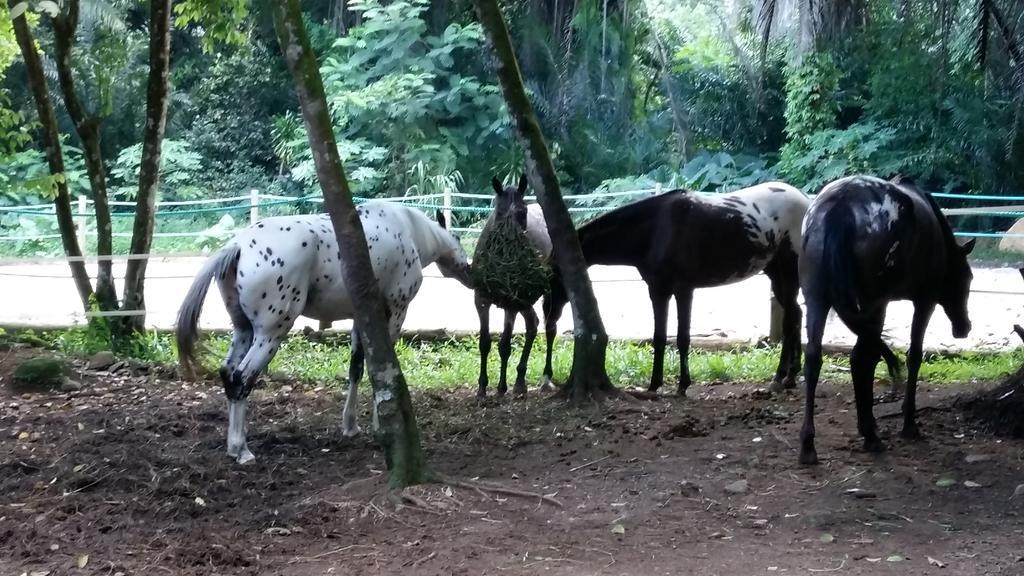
<point>187,328</point>
<point>839,235</point>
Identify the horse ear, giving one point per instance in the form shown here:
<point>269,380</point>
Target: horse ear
<point>496,184</point>
<point>522,184</point>
<point>439,216</point>
<point>968,246</point>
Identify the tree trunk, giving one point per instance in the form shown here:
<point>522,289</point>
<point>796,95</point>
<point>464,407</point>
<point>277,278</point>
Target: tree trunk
<point>54,156</point>
<point>88,128</point>
<point>149,169</point>
<point>589,378</point>
<point>397,430</point>
<point>437,17</point>
<point>679,120</point>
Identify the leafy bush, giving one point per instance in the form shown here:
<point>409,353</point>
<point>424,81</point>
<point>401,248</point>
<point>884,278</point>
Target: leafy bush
<point>179,166</point>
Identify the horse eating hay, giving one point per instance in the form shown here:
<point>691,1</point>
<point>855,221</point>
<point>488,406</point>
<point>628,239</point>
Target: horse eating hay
<point>511,270</point>
<point>289,266</point>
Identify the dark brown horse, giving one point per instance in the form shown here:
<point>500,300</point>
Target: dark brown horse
<point>680,241</point>
<point>867,242</point>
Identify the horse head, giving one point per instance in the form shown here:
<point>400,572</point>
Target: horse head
<point>957,288</point>
<point>452,260</point>
<point>508,200</point>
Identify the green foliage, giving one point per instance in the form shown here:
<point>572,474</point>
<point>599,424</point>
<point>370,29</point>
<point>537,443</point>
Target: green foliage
<point>717,172</point>
<point>399,99</point>
<point>216,21</point>
<point>811,106</point>
<point>831,154</point>
<point>179,168</point>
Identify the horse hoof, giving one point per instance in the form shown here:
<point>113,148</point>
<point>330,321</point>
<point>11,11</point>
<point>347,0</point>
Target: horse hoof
<point>546,385</point>
<point>911,432</point>
<point>809,457</point>
<point>519,391</point>
<point>501,390</point>
<point>242,456</point>
<point>351,431</point>
<point>681,391</point>
<point>873,445</point>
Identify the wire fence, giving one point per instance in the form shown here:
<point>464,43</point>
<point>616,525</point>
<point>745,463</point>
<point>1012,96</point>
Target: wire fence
<point>195,225</point>
<point>467,208</point>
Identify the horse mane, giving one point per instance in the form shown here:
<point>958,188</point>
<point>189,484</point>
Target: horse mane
<point>626,211</point>
<point>908,185</point>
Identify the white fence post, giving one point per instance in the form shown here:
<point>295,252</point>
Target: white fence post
<point>83,222</point>
<point>254,205</point>
<point>448,206</point>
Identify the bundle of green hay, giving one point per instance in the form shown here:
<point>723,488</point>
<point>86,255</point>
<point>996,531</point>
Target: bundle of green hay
<point>506,268</point>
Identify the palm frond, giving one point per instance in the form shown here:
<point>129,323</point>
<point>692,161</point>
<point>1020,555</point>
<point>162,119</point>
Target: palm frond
<point>981,31</point>
<point>100,13</point>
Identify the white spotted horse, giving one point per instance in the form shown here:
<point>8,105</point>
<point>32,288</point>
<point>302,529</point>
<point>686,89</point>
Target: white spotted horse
<point>867,242</point>
<point>289,266</point>
<point>679,241</point>
<point>531,219</point>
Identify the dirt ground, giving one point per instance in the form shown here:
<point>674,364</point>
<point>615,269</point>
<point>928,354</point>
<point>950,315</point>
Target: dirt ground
<point>129,476</point>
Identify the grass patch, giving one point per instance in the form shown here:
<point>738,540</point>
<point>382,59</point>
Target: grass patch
<point>454,362</point>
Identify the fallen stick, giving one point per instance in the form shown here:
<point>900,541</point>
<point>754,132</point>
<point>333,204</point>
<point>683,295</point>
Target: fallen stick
<point>502,490</point>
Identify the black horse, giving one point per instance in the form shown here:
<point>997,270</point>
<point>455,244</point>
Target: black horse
<point>867,242</point>
<point>680,241</point>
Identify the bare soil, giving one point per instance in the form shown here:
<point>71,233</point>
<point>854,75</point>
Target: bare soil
<point>128,475</point>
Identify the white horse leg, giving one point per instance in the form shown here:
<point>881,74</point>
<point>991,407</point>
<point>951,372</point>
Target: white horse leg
<point>237,446</point>
<point>263,348</point>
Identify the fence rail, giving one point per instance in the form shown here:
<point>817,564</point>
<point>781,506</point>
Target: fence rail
<point>448,202</point>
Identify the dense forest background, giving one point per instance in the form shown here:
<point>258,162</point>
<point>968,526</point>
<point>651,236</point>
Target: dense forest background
<point>701,93</point>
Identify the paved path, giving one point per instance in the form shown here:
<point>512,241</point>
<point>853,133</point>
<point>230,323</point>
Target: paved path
<point>42,294</point>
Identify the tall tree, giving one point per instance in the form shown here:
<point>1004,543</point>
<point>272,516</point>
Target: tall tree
<point>87,125</point>
<point>149,170</point>
<point>397,431</point>
<point>54,155</point>
<point>589,378</point>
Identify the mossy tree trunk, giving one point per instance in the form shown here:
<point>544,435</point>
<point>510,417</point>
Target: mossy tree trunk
<point>397,432</point>
<point>149,169</point>
<point>87,125</point>
<point>54,155</point>
<point>589,379</point>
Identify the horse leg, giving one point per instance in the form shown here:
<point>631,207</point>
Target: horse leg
<point>349,425</point>
<point>782,271</point>
<point>550,329</point>
<point>505,350</point>
<point>241,336</point>
<point>265,345</point>
<point>865,356</point>
<point>270,329</point>
<point>892,365</point>
<point>659,301</point>
<point>922,314</point>
<point>531,334</point>
<point>482,311</point>
<point>684,304</point>
<point>817,313</point>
